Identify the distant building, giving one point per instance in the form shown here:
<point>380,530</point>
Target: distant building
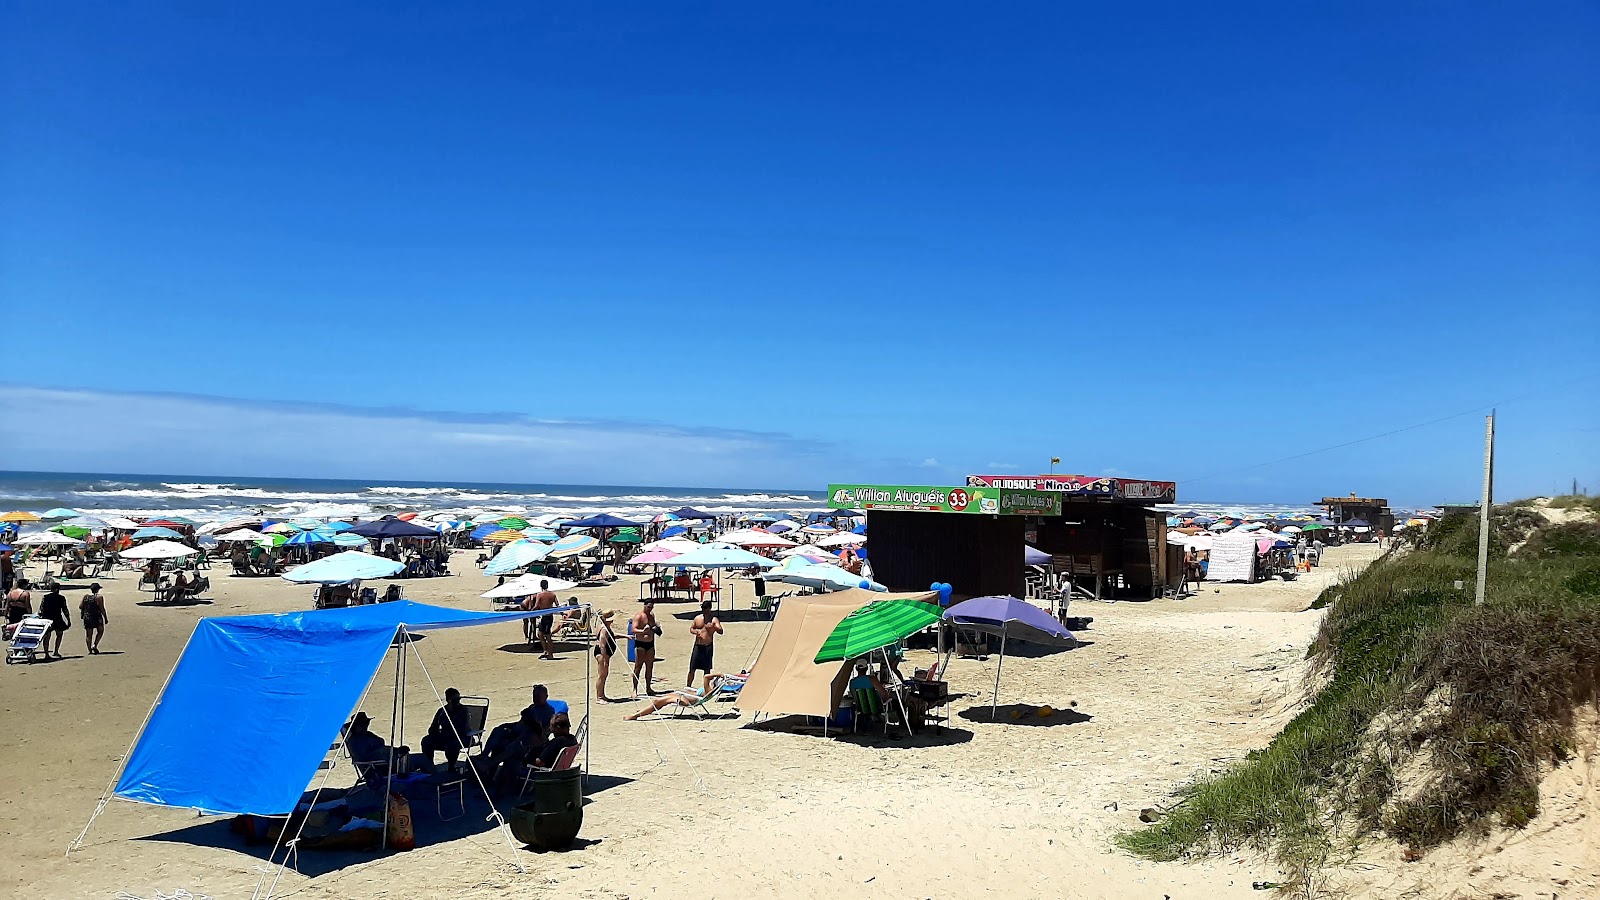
<point>1372,510</point>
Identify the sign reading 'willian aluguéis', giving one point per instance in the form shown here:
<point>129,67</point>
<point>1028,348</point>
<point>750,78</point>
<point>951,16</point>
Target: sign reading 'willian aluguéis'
<point>931,498</point>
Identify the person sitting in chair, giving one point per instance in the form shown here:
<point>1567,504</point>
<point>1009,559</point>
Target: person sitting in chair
<point>391,593</point>
<point>560,739</point>
<point>864,681</point>
<point>509,746</point>
<point>370,754</point>
<point>74,567</point>
<point>448,730</point>
<point>152,572</point>
<point>180,587</point>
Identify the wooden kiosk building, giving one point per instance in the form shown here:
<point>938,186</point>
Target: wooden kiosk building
<point>1101,533</point>
<point>1372,510</point>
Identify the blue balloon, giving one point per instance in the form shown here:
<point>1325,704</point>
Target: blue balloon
<point>865,585</point>
<point>934,587</point>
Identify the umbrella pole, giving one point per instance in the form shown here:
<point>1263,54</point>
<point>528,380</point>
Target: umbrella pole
<point>994,705</point>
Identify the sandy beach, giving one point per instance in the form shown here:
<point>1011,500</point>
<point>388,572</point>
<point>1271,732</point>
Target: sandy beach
<point>1159,692</point>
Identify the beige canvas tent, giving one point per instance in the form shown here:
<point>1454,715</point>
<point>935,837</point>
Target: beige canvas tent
<point>785,679</point>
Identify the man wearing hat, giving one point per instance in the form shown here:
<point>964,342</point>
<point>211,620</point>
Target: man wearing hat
<point>370,753</point>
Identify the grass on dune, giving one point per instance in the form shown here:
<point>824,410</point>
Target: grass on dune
<point>1435,715</point>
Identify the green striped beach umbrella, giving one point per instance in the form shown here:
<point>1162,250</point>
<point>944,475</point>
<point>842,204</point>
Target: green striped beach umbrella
<point>876,625</point>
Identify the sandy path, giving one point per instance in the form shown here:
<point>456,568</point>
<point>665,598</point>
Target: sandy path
<point>1163,692</point>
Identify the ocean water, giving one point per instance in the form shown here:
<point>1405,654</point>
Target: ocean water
<point>214,498</point>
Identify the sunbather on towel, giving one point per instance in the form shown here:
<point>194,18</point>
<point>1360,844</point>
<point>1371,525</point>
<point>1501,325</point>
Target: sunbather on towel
<point>683,697</point>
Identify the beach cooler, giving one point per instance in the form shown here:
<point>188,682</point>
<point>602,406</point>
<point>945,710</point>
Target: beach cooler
<point>28,640</point>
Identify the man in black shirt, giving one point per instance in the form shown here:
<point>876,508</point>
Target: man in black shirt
<point>448,731</point>
<point>54,608</point>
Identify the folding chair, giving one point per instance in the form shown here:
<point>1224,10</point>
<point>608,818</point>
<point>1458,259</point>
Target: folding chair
<point>477,720</point>
<point>864,704</point>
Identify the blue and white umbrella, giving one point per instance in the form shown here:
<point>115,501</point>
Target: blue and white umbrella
<point>516,555</point>
<point>349,540</point>
<point>157,532</point>
<point>343,568</point>
<point>306,538</point>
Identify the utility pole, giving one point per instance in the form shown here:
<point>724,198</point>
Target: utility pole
<point>1486,506</point>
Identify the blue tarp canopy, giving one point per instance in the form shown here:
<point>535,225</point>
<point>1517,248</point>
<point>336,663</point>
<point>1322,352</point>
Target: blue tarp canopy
<point>255,701</point>
<point>689,512</point>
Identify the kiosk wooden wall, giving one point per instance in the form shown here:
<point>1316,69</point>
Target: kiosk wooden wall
<point>978,555</point>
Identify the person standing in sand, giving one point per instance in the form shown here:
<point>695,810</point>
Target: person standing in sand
<point>545,599</point>
<point>645,631</point>
<point>92,612</point>
<point>54,608</point>
<point>605,646</point>
<point>705,629</point>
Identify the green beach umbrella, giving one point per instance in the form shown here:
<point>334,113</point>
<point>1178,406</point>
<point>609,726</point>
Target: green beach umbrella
<point>626,536</point>
<point>515,523</point>
<point>72,531</point>
<point>877,625</point>
<point>1312,526</point>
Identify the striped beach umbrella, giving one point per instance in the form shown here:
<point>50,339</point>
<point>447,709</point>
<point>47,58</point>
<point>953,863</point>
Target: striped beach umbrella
<point>875,626</point>
<point>502,536</point>
<point>306,538</point>
<point>571,545</point>
<point>349,540</point>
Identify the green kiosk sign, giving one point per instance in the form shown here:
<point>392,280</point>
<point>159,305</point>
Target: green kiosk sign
<point>926,498</point>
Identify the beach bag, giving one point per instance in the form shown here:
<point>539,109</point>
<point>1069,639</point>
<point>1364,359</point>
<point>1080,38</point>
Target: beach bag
<point>401,835</point>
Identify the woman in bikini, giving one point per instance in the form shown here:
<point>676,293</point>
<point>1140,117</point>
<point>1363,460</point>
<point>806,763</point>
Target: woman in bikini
<point>92,612</point>
<point>19,605</point>
<point>605,646</point>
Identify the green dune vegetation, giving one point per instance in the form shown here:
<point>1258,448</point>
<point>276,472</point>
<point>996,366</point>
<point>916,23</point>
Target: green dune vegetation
<point>1429,716</point>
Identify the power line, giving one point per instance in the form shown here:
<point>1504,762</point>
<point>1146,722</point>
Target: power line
<point>1361,440</point>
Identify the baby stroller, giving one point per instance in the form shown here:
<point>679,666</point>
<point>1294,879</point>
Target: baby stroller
<point>28,640</point>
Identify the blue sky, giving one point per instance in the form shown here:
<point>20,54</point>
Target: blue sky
<point>736,244</point>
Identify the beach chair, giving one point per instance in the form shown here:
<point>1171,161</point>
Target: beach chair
<point>27,642</point>
<point>575,627</point>
<point>477,721</point>
<point>864,705</point>
<point>157,583</point>
<point>720,686</point>
<point>567,760</point>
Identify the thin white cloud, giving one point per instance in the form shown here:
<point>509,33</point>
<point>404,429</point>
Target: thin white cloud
<point>51,429</point>
<point>1001,467</point>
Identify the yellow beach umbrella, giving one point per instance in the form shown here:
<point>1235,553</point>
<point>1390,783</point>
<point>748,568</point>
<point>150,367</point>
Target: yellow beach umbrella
<point>503,536</point>
<point>18,515</point>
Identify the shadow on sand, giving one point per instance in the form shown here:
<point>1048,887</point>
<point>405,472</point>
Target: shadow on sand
<point>430,829</point>
<point>896,739</point>
<point>1023,714</point>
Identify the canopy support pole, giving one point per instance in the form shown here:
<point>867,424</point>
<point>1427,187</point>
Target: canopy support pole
<point>588,686</point>
<point>396,734</point>
<point>899,683</point>
<point>494,812</point>
<point>106,795</point>
<point>994,705</point>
